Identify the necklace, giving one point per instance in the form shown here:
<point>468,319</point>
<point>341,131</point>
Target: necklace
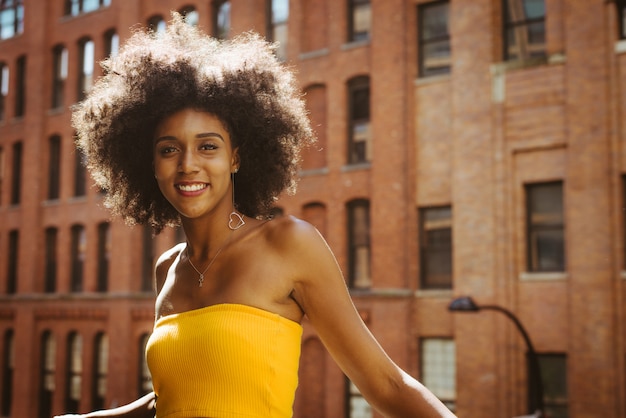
<point>201,274</point>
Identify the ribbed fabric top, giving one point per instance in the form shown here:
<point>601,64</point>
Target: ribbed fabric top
<point>224,361</point>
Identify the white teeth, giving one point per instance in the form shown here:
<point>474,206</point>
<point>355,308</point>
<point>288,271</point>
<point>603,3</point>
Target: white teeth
<point>191,187</point>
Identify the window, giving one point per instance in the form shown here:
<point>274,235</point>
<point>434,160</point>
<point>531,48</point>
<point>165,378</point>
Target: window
<point>100,364</point>
<point>356,405</point>
<point>190,14</point>
<point>86,66</point>
<point>554,381</point>
<point>50,278</point>
<point>48,370</point>
<point>221,19</point>
<point>359,20</point>
<point>16,174</point>
<point>546,229</point>
<point>76,7</point>
<point>111,43</point>
<point>74,372</point>
<point>438,368</point>
<point>59,76</point>
<point>278,16</point>
<point>54,167</point>
<point>621,18</point>
<point>434,39</point>
<point>20,86</point>
<point>104,256</point>
<point>147,269</point>
<point>78,253</point>
<point>11,18</point>
<point>156,24</point>
<point>8,368</point>
<point>12,261</point>
<point>145,378</point>
<point>359,244</point>
<point>80,174</point>
<point>4,89</point>
<point>360,137</point>
<point>524,29</point>
<point>436,248</point>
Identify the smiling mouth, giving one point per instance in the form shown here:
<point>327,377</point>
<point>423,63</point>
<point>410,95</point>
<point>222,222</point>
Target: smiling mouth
<point>191,187</point>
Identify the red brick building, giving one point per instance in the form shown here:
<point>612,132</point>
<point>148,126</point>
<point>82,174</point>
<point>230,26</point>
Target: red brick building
<point>466,147</point>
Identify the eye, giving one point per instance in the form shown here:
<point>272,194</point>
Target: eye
<point>208,146</point>
<point>166,149</point>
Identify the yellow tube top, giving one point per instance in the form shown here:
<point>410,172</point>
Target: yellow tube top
<point>224,361</point>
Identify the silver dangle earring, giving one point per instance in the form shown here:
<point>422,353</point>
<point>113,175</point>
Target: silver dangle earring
<point>235,220</point>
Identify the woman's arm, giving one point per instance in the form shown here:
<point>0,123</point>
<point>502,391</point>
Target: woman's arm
<point>141,408</point>
<point>321,291</point>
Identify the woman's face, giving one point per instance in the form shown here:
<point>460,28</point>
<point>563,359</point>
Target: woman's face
<point>193,162</point>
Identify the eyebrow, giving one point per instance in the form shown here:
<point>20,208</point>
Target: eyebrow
<point>201,135</point>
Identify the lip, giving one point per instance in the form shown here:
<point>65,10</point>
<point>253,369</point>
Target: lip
<point>191,188</point>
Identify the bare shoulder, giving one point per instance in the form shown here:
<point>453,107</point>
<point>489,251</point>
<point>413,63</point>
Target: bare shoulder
<point>164,262</point>
<point>288,234</point>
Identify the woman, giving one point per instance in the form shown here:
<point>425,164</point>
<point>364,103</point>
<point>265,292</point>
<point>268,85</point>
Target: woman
<point>187,130</point>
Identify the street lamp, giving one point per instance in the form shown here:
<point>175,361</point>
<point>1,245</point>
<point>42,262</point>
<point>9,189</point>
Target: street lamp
<point>535,403</point>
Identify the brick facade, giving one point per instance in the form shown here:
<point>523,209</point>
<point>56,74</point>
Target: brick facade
<point>471,140</point>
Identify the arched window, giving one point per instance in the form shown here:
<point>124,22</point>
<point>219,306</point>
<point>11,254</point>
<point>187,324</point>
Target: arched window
<point>190,14</point>
<point>145,378</point>
<point>86,64</point>
<point>221,19</point>
<point>47,372</point>
<point>104,256</point>
<point>360,135</point>
<point>59,75</point>
<point>156,24</point>
<point>100,365</point>
<point>8,368</point>
<point>359,275</point>
<point>78,253</point>
<point>50,275</point>
<point>74,380</point>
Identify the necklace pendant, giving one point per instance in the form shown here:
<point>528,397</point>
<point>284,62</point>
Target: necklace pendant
<point>200,280</point>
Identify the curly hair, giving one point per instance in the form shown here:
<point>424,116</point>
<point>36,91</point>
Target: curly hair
<point>154,75</point>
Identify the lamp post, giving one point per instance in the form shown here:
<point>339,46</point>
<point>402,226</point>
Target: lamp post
<point>535,397</point>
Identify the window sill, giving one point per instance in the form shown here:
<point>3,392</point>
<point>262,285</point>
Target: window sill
<point>382,292</point>
<point>355,44</point>
<point>432,79</point>
<point>620,46</point>
<point>434,293</point>
<point>543,276</point>
<point>314,172</point>
<point>356,167</point>
<point>313,54</point>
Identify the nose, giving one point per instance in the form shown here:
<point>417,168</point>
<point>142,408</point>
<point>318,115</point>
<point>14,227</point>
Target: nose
<point>187,162</point>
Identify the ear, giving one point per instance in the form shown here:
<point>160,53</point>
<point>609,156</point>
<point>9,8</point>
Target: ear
<point>235,162</point>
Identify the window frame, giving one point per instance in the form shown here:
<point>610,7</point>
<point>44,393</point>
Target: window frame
<point>424,42</point>
<point>74,368</point>
<point>5,75</point>
<point>515,25</point>
<point>20,86</point>
<point>86,67</point>
<point>359,238</point>
<point>59,75</point>
<point>47,373</point>
<point>427,249</point>
<point>78,253</point>
<point>54,168</point>
<point>356,86</point>
<point>274,27</point>
<point>221,19</point>
<point>16,8</point>
<point>354,8</point>
<point>104,256</point>
<point>51,244</point>
<point>533,228</point>
<point>16,172</point>
<point>428,364</point>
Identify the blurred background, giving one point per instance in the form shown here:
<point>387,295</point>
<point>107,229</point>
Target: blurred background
<point>469,176</point>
